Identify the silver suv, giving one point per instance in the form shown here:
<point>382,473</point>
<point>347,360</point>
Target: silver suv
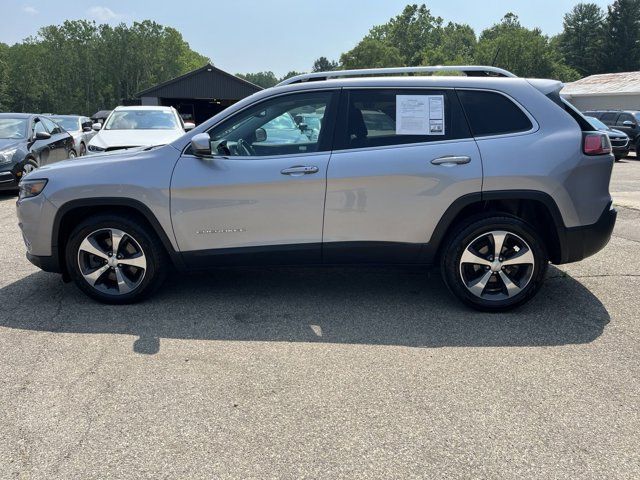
<point>488,175</point>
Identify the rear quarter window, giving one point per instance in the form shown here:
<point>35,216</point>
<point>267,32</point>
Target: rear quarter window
<point>491,113</point>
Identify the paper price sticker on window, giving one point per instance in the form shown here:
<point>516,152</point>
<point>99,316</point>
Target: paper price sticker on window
<point>420,115</point>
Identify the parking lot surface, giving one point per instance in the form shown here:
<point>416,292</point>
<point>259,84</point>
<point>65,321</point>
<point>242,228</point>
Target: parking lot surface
<point>324,373</point>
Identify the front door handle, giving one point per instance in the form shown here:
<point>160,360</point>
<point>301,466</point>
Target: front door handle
<point>299,170</point>
<point>451,160</point>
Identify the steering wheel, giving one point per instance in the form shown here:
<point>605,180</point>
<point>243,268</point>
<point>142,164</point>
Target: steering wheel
<point>244,148</point>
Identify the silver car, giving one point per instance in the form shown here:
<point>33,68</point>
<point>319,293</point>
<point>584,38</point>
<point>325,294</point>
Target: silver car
<point>489,176</point>
<point>80,129</point>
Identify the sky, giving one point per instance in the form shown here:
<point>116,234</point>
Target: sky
<point>279,35</point>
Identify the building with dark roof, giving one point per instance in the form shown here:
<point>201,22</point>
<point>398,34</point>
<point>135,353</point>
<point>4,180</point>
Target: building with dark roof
<point>200,94</point>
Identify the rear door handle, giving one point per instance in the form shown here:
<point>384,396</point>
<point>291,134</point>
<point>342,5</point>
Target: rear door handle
<point>451,160</point>
<point>299,170</point>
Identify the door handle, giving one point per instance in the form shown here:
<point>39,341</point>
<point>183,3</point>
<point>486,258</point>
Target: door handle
<point>451,160</point>
<point>299,170</point>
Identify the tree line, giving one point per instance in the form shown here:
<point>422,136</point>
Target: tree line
<point>81,67</point>
<point>592,41</point>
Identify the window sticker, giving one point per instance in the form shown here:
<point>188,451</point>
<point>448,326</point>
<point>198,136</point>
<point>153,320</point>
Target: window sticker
<point>420,115</point>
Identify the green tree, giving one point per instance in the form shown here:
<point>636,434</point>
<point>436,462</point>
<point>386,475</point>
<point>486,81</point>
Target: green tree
<point>372,53</point>
<point>262,79</point>
<point>4,75</point>
<point>456,45</point>
<point>525,52</point>
<point>290,74</point>
<point>622,36</point>
<point>581,40</point>
<point>323,64</point>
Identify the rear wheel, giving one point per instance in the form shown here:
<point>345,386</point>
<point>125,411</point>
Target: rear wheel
<point>113,259</point>
<point>72,153</point>
<point>495,263</point>
<point>83,150</point>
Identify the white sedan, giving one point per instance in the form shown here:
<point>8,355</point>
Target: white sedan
<point>129,127</point>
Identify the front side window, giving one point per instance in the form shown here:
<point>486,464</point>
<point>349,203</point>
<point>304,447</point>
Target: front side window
<point>609,118</point>
<point>141,120</point>
<point>38,127</point>
<point>491,113</point>
<point>625,117</point>
<point>275,127</point>
<point>52,127</point>
<point>377,118</point>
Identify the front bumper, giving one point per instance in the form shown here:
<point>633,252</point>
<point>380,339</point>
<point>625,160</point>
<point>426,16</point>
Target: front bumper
<point>9,180</point>
<point>578,243</point>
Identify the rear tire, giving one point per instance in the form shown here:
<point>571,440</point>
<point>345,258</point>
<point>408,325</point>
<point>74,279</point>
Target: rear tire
<point>128,273</point>
<point>488,281</point>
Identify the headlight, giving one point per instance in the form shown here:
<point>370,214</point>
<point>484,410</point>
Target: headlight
<point>93,148</point>
<point>7,155</point>
<point>31,188</point>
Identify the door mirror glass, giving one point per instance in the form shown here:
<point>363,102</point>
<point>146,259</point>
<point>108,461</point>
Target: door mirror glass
<point>189,126</point>
<point>96,126</point>
<point>261,135</point>
<point>40,135</point>
<point>201,145</point>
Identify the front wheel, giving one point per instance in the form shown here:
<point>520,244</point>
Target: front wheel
<point>113,259</point>
<point>495,263</point>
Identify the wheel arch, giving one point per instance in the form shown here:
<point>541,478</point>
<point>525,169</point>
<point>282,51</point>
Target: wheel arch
<point>73,212</point>
<point>534,207</point>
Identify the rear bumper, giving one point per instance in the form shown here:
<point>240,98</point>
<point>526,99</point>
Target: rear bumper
<point>582,242</point>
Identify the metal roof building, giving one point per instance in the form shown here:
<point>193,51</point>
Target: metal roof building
<point>608,91</point>
<point>199,94</point>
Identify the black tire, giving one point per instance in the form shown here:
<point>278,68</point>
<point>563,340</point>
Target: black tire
<point>83,150</point>
<point>157,263</point>
<point>472,229</point>
<point>72,154</point>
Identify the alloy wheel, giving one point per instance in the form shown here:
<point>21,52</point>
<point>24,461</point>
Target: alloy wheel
<point>28,168</point>
<point>497,265</point>
<point>112,261</point>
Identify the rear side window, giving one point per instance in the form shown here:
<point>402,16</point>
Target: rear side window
<point>609,118</point>
<point>491,113</point>
<point>382,117</point>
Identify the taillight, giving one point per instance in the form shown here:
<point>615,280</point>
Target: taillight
<point>596,144</point>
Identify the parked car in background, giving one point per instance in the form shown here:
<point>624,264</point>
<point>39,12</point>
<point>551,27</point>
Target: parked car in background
<point>627,121</point>
<point>130,127</point>
<point>79,128</point>
<point>100,116</point>
<point>619,140</point>
<point>484,176</point>
<point>29,141</point>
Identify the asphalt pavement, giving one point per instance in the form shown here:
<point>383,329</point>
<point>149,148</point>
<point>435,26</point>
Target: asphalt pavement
<point>324,373</point>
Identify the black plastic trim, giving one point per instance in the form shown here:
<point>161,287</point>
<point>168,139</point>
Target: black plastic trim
<point>138,206</point>
<point>47,264</point>
<point>582,242</point>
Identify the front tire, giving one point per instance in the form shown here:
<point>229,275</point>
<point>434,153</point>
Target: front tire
<point>116,260</point>
<point>495,263</point>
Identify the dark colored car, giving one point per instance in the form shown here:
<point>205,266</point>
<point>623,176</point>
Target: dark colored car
<point>28,141</point>
<point>619,140</point>
<point>80,129</point>
<point>627,121</point>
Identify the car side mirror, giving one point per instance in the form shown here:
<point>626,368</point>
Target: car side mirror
<point>629,123</point>
<point>189,126</point>
<point>86,128</point>
<point>96,126</point>
<point>261,135</point>
<point>43,135</point>
<point>201,145</point>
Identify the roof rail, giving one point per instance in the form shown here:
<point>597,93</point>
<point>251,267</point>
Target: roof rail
<point>468,70</point>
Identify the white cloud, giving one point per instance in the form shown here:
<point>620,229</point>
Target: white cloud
<point>103,14</point>
<point>30,10</point>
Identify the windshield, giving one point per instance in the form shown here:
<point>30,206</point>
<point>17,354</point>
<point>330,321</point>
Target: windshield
<point>13,128</point>
<point>597,124</point>
<point>141,120</point>
<point>70,124</point>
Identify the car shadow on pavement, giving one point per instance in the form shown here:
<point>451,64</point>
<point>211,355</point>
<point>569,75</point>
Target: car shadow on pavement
<point>335,305</point>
